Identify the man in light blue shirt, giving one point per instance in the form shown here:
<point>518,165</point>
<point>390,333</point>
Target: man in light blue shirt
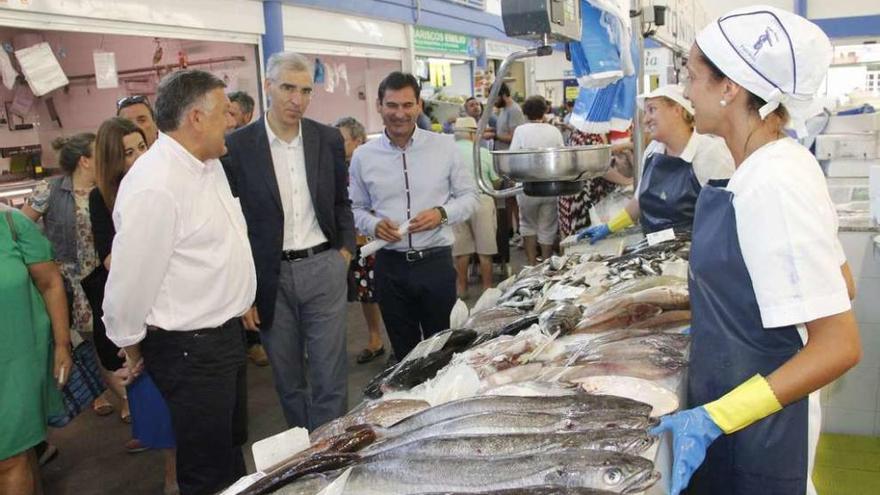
<point>416,176</point>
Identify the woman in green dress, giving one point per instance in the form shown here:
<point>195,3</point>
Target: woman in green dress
<point>34,347</point>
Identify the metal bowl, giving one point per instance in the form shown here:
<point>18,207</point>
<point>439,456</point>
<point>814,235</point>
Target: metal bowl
<point>554,164</point>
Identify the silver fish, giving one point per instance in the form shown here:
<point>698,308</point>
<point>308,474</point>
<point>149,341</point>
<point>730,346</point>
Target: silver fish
<point>566,404</point>
<point>533,490</point>
<point>504,422</point>
<point>612,471</point>
<point>380,412</point>
<point>623,440</point>
<point>492,320</point>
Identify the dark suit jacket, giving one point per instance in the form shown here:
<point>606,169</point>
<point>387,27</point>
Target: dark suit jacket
<point>248,165</point>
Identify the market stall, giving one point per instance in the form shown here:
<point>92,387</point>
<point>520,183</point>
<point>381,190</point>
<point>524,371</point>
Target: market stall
<point>553,379</point>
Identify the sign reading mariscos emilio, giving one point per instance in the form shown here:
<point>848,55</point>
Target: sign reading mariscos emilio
<point>434,40</point>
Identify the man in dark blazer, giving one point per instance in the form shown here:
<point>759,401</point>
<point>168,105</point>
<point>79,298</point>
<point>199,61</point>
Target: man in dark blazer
<point>290,175</point>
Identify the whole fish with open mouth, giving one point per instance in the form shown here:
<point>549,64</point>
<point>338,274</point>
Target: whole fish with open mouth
<point>561,405</point>
<point>504,422</point>
<point>623,440</point>
<point>612,471</point>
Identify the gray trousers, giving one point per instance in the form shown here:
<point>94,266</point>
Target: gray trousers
<point>306,341</point>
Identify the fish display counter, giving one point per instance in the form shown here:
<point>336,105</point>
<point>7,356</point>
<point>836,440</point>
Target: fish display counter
<point>549,386</point>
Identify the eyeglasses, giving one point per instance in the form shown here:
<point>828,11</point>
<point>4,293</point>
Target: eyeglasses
<point>132,100</point>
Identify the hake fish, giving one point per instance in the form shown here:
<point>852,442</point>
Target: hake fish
<point>567,404</point>
<point>611,471</point>
<point>623,440</point>
<point>505,422</point>
<point>380,413</point>
<point>533,490</point>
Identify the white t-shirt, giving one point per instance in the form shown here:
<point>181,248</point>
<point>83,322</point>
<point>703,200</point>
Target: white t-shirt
<point>536,135</point>
<point>787,228</point>
<point>708,154</point>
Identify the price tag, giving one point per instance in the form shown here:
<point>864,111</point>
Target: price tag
<point>655,238</point>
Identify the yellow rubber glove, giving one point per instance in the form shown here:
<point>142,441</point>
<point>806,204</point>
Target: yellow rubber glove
<point>750,402</point>
<point>620,221</point>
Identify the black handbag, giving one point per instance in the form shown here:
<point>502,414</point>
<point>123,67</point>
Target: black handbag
<point>84,386</point>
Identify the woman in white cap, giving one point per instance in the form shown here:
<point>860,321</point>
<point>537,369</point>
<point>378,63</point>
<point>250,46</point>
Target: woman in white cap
<point>766,267</point>
<point>677,163</point>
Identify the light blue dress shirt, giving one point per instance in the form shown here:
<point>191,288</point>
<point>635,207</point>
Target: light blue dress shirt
<point>398,184</point>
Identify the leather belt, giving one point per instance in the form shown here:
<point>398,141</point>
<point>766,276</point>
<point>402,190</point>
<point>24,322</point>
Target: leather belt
<point>300,254</point>
<point>413,255</point>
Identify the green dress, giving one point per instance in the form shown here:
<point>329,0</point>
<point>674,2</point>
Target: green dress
<point>27,389</point>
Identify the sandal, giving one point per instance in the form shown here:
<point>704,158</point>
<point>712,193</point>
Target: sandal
<point>125,413</point>
<point>102,407</point>
<point>368,355</point>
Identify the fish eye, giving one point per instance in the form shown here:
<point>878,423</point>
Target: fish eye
<point>613,476</point>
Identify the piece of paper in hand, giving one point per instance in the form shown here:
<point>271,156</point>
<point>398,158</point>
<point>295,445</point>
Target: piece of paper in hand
<point>371,247</point>
<point>277,448</point>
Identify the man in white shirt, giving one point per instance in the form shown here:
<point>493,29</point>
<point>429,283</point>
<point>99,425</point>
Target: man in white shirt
<point>290,174</point>
<point>182,276</point>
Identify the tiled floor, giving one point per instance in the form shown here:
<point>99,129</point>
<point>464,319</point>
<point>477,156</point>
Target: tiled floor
<point>847,465</point>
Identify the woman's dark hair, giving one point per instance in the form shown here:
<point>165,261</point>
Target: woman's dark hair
<point>754,102</point>
<point>504,90</point>
<point>110,156</point>
<point>535,107</point>
<point>398,80</point>
<point>71,149</point>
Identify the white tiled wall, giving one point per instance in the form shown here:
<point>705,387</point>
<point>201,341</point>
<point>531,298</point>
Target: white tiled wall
<point>852,403</point>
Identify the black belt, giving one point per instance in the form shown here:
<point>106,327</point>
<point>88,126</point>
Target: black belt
<point>299,254</point>
<point>413,255</point>
<point>230,323</point>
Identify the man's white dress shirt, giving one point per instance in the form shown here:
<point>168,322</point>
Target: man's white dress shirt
<point>181,256</point>
<point>301,228</point>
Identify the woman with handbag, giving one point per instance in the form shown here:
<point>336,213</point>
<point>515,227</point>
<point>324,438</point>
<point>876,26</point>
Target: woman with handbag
<point>119,143</point>
<point>63,204</point>
<point>34,348</point>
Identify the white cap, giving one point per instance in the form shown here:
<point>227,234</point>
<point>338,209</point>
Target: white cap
<point>674,92</point>
<point>775,54</point>
<point>465,124</point>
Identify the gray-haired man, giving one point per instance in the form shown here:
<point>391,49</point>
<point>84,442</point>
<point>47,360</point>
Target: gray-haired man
<point>289,173</point>
<point>182,276</point>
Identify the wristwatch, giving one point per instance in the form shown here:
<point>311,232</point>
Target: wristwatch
<point>443,218</point>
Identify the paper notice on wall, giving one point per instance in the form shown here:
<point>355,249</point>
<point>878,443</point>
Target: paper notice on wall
<point>7,71</point>
<point>41,68</point>
<point>105,69</point>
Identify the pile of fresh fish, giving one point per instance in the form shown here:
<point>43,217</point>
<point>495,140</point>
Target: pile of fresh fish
<point>550,391</point>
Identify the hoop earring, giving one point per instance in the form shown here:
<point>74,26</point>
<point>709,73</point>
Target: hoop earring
<point>723,103</point>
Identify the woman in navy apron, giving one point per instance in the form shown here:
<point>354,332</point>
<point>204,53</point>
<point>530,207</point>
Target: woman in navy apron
<point>677,163</point>
<point>769,285</point>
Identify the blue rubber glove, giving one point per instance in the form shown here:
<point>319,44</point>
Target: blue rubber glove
<point>595,233</point>
<point>692,432</point>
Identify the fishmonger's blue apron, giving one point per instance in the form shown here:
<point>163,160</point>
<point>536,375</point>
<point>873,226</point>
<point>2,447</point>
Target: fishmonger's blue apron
<point>730,345</point>
<point>668,194</point>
